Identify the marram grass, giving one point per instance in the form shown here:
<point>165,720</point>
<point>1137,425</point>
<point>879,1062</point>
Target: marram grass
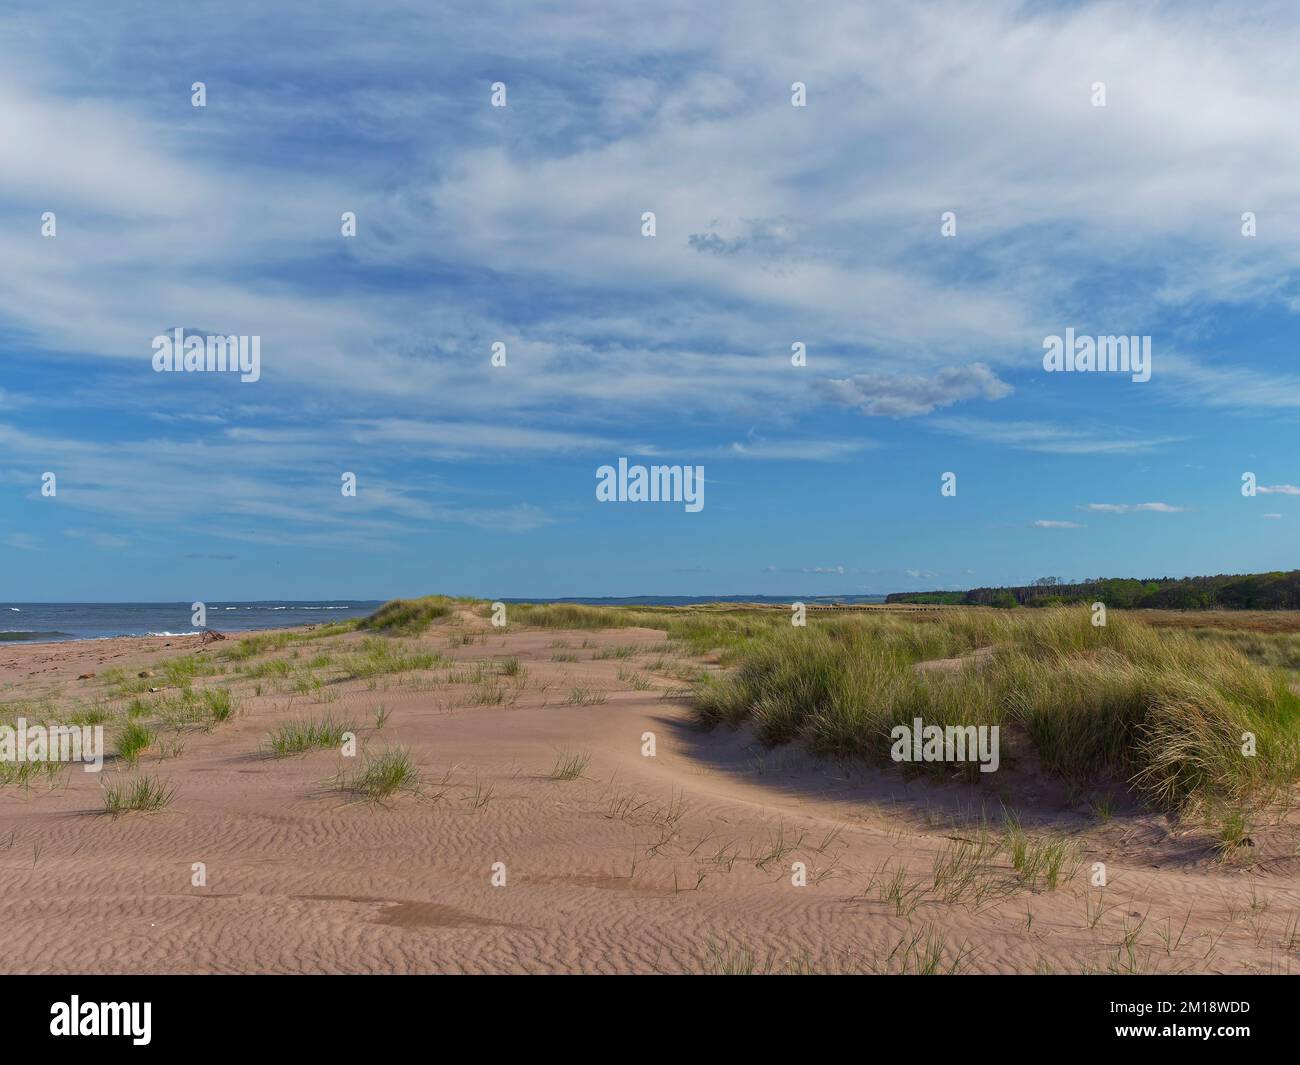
<point>1170,710</point>
<point>309,734</point>
<point>410,617</point>
<point>382,776</point>
<point>1167,708</point>
<point>142,794</point>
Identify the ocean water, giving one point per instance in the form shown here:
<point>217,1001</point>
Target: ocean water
<point>45,622</point>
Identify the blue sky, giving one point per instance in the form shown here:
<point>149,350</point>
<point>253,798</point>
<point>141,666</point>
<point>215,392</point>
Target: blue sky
<point>522,224</point>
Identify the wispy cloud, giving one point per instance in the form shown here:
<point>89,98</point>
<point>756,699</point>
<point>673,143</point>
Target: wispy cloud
<point>483,440</point>
<point>521,226</point>
<point>1131,508</point>
<point>292,488</point>
<point>897,396</point>
<point>797,450</point>
<point>1229,385</point>
<point>750,245</point>
<point>1053,439</point>
<point>22,541</point>
<point>108,541</point>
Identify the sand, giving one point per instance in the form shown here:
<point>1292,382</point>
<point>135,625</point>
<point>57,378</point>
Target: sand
<point>680,862</point>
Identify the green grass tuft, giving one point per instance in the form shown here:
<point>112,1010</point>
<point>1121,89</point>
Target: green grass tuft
<point>134,740</point>
<point>570,766</point>
<point>138,794</point>
<point>297,737</point>
<point>382,776</point>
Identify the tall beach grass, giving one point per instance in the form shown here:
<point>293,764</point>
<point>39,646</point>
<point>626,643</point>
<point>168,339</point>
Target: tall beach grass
<point>1173,712</point>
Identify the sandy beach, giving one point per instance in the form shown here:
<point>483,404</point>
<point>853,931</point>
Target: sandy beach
<point>684,861</point>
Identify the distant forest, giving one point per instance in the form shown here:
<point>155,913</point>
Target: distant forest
<point>1249,591</point>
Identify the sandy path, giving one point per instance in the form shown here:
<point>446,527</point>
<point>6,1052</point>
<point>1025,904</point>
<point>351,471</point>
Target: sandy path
<point>677,862</point>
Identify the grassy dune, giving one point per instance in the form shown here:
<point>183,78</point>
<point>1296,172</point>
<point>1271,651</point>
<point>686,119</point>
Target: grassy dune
<point>410,617</point>
<point>1168,709</point>
<point>701,629</point>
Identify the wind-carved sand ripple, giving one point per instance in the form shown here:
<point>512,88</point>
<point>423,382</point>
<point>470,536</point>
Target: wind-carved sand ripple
<point>660,864</point>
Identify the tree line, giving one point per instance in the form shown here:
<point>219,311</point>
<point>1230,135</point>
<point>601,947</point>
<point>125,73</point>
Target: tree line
<point>1250,591</point>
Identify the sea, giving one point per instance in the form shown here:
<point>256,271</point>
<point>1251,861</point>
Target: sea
<point>50,622</point>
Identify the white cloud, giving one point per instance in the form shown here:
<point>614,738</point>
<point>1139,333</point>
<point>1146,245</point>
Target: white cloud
<point>476,440</point>
<point>1043,523</point>
<point>1130,508</point>
<point>897,396</point>
<point>797,450</point>
<point>23,541</point>
<point>1051,438</point>
<point>775,223</point>
<point>816,223</point>
<point>1227,385</point>
<point>220,487</point>
<point>108,541</point>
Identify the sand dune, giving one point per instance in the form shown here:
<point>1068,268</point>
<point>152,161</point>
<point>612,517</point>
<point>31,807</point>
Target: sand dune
<point>680,862</point>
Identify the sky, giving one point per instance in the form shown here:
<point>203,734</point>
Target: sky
<point>829,225</point>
